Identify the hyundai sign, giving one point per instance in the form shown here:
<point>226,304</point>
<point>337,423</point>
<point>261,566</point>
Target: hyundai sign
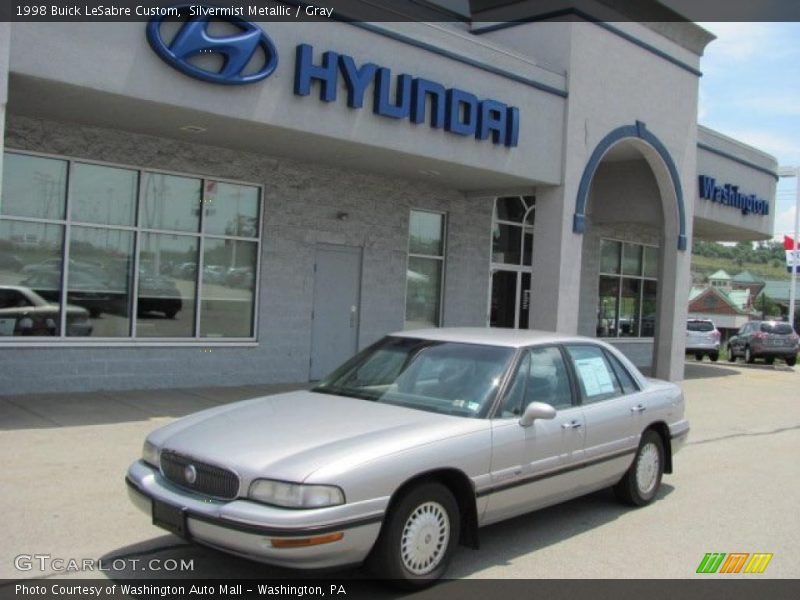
<point>416,99</point>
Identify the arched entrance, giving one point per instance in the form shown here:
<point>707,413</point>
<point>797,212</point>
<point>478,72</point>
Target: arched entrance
<point>630,210</point>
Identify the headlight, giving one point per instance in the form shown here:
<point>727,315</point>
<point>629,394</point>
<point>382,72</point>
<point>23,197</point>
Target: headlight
<point>150,454</point>
<point>295,495</point>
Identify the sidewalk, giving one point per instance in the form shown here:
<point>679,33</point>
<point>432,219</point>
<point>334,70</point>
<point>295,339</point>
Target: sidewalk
<point>37,411</point>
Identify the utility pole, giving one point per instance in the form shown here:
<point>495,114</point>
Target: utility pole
<point>794,172</point>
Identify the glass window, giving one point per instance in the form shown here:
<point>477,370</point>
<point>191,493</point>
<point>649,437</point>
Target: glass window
<point>626,299</point>
<point>650,262</point>
<point>171,202</point>
<point>33,186</point>
<point>424,283</point>
<point>632,260</point>
<point>166,298</point>
<point>548,381</point>
<point>510,209</point>
<point>107,227</point>
<point>103,195</point>
<point>231,209</point>
<point>596,378</point>
<point>624,377</point>
<point>227,301</point>
<point>99,278</point>
<point>426,233</point>
<point>30,261</point>
<point>506,244</point>
<point>425,269</point>
<point>610,252</point>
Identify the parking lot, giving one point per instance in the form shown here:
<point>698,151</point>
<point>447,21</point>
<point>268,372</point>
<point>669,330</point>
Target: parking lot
<point>734,489</point>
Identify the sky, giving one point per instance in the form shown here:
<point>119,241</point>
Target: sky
<point>750,90</point>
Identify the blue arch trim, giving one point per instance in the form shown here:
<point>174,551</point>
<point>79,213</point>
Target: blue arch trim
<point>638,131</point>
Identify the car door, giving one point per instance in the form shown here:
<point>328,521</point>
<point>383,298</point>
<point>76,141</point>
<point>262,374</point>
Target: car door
<point>614,412</point>
<point>738,341</point>
<point>534,466</point>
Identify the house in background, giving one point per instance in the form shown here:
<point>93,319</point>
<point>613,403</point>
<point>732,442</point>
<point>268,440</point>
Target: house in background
<point>729,308</point>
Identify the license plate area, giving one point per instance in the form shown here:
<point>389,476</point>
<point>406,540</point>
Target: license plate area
<point>171,518</point>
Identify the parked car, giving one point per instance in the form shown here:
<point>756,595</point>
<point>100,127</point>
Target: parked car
<point>158,293</point>
<point>702,338</point>
<point>85,290</point>
<point>765,339</point>
<point>411,446</point>
<point>24,312</point>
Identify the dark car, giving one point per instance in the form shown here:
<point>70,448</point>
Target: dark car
<point>84,290</point>
<point>765,339</point>
<point>158,293</point>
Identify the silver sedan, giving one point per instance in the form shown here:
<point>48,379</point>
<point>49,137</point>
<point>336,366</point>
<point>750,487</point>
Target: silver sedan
<point>409,448</point>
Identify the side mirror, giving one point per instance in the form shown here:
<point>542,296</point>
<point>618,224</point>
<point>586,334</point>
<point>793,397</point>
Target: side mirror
<point>537,410</point>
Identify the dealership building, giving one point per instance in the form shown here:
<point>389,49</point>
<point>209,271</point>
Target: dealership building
<point>236,201</point>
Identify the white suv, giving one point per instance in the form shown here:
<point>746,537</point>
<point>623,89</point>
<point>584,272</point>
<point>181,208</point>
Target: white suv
<point>702,337</point>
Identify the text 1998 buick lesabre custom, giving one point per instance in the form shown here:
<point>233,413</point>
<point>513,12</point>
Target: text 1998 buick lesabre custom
<point>409,448</point>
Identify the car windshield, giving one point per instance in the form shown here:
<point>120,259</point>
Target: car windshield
<point>779,328</point>
<point>443,377</point>
<point>700,326</point>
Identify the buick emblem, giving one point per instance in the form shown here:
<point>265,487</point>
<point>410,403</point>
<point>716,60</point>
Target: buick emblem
<point>238,50</point>
<point>190,474</point>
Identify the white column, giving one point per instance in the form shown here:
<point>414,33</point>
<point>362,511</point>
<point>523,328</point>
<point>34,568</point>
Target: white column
<point>5,48</point>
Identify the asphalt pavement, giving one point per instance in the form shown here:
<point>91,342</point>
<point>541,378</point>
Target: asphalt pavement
<point>735,489</point>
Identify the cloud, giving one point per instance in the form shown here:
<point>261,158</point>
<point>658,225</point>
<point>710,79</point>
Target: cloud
<point>740,42</point>
<point>784,223</point>
<point>784,105</point>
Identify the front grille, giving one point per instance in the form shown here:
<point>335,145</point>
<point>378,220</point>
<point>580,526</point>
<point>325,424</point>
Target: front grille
<point>209,480</point>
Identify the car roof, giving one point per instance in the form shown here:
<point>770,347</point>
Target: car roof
<point>511,338</point>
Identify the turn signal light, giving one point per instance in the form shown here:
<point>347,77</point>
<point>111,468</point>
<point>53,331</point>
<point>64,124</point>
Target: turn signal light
<point>305,542</point>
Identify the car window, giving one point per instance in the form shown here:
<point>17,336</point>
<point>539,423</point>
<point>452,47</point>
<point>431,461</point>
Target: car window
<point>625,379</point>
<point>777,328</point>
<point>700,326</point>
<point>540,377</point>
<point>595,375</point>
<point>12,299</point>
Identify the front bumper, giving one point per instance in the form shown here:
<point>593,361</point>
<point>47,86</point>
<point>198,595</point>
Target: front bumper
<point>679,433</point>
<point>247,528</point>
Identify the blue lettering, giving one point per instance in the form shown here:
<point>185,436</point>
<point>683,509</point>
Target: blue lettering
<point>707,185</point>
<point>462,122</point>
<point>402,106</point>
<point>357,79</point>
<point>420,90</point>
<point>492,118</point>
<point>512,123</point>
<point>305,71</point>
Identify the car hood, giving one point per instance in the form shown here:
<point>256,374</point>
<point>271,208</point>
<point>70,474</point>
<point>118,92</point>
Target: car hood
<point>290,436</point>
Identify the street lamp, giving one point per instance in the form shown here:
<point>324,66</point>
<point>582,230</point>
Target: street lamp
<point>793,172</point>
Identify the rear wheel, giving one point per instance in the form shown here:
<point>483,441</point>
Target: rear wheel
<point>418,538</point>
<point>698,356</point>
<point>748,356</point>
<point>731,355</point>
<point>714,356</point>
<point>641,482</point>
<point>791,361</point>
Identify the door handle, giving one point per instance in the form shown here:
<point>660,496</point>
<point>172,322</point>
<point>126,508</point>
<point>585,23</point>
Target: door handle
<point>639,408</point>
<point>571,425</point>
<point>352,316</point>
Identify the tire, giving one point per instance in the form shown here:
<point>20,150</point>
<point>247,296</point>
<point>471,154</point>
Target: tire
<point>770,360</point>
<point>170,314</point>
<point>731,355</point>
<point>698,356</point>
<point>640,484</point>
<point>748,356</point>
<point>714,356</point>
<point>791,361</point>
<point>407,552</point>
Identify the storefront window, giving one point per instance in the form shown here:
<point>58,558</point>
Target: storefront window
<point>425,269</point>
<point>134,241</point>
<point>626,304</point>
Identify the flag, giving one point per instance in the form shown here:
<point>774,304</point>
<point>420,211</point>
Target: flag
<point>788,243</point>
<point>792,255</point>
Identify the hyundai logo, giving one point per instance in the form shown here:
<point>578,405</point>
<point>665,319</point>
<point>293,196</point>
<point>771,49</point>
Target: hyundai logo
<point>190,474</point>
<point>193,40</point>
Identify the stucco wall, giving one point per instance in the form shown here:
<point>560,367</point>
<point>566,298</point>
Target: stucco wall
<point>301,202</point>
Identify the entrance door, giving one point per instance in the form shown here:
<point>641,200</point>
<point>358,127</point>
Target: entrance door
<point>337,287</point>
<point>511,299</point>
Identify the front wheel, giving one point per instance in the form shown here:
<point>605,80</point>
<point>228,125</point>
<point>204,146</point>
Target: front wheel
<point>791,361</point>
<point>731,355</point>
<point>418,538</point>
<point>698,356</point>
<point>640,483</point>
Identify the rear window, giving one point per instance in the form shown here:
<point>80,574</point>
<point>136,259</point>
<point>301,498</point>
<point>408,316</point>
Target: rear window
<point>779,328</point>
<point>700,326</point>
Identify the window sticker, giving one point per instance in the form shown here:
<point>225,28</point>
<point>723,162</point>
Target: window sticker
<point>595,376</point>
